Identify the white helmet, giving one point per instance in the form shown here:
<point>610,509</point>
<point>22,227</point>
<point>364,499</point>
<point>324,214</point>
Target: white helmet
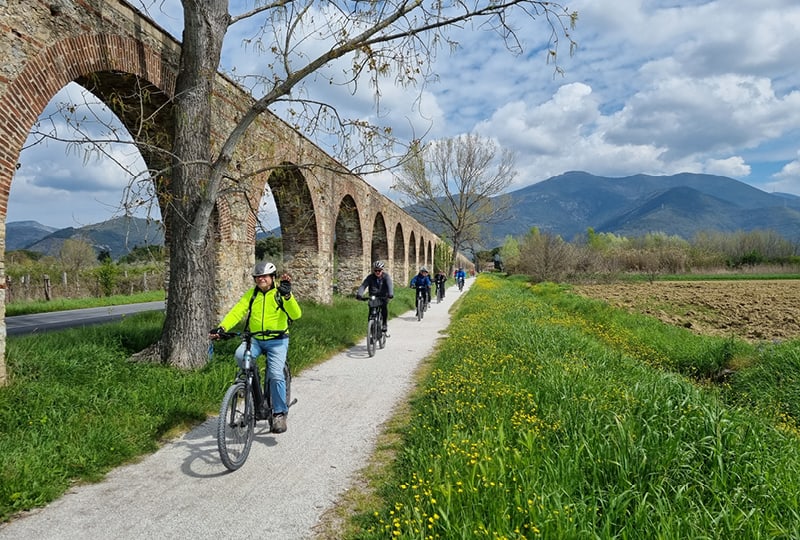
<point>264,268</point>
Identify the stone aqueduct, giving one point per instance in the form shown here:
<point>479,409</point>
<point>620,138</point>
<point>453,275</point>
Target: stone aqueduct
<point>110,48</point>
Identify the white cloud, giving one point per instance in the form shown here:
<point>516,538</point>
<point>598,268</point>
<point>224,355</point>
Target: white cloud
<point>656,87</point>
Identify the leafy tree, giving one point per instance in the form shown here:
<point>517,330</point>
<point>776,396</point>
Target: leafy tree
<point>76,255</point>
<point>509,253</point>
<point>147,254</point>
<point>451,184</point>
<point>269,248</point>
<point>107,274</point>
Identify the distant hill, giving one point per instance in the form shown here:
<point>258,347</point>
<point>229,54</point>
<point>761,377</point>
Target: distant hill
<point>119,236</point>
<point>21,234</point>
<point>682,204</point>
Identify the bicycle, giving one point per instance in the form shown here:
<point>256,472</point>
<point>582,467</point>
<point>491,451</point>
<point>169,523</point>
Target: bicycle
<point>245,403</point>
<point>422,305</point>
<point>439,293</point>
<point>375,333</point>
<point>460,284</point>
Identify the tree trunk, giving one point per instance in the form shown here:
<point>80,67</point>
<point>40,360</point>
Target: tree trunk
<point>190,193</point>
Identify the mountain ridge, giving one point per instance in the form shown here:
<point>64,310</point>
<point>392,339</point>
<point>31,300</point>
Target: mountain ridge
<point>682,204</point>
<point>117,235</point>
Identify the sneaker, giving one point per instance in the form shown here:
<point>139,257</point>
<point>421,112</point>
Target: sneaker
<point>279,423</point>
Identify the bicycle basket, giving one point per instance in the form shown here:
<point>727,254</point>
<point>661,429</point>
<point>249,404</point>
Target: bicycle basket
<point>375,302</point>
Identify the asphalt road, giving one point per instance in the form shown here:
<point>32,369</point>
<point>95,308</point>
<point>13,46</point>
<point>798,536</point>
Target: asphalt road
<point>58,320</point>
<point>289,479</point>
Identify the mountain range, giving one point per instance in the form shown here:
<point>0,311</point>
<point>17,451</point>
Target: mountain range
<point>567,205</point>
<point>682,204</point>
<point>118,236</point>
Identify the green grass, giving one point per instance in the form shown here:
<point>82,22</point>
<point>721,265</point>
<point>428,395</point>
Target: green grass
<point>75,406</point>
<point>41,306</point>
<point>544,415</point>
<point>550,416</point>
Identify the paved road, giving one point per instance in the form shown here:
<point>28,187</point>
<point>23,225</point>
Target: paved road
<point>289,480</point>
<point>58,320</point>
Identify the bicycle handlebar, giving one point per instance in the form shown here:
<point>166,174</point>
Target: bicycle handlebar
<point>246,334</point>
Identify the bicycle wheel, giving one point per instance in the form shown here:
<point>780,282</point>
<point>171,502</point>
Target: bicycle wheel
<point>235,426</point>
<point>287,375</point>
<point>419,310</point>
<point>371,337</point>
<point>381,334</point>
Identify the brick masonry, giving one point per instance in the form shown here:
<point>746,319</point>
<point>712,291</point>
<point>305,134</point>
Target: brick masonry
<point>108,46</point>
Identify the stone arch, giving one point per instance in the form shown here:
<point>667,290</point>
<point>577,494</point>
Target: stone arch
<point>399,255</point>
<point>348,245</point>
<point>84,59</point>
<point>299,228</point>
<point>412,263</point>
<point>379,247</point>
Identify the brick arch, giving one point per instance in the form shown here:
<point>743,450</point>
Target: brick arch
<point>70,59</point>
<point>379,244</point>
<point>299,226</point>
<point>413,252</point>
<point>348,250</point>
<point>399,254</point>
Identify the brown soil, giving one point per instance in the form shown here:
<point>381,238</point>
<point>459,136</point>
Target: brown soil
<point>748,309</point>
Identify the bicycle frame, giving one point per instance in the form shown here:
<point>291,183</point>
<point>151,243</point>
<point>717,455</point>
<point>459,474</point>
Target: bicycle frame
<point>375,334</point>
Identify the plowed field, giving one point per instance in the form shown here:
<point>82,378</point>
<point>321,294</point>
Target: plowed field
<point>750,309</point>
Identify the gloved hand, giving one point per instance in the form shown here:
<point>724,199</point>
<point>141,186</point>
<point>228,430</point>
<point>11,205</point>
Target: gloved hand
<point>216,332</point>
<point>359,297</point>
<point>391,296</point>
<point>285,288</point>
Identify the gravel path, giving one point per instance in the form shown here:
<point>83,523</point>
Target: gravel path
<point>289,480</point>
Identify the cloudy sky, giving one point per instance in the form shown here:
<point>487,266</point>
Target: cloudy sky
<point>656,87</point>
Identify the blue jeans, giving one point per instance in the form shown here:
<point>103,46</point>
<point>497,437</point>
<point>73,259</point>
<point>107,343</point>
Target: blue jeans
<point>275,350</point>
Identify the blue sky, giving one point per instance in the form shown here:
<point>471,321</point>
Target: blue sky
<point>655,87</point>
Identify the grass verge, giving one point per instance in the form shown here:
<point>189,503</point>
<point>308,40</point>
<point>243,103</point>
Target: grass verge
<point>75,406</point>
<point>548,416</point>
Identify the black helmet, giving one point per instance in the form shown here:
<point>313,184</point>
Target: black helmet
<point>264,268</point>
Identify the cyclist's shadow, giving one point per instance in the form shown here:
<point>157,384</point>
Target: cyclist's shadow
<point>200,444</point>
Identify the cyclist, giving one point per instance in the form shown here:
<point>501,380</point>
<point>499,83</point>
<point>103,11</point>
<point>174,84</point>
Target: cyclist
<point>267,307</point>
<point>439,280</point>
<point>423,280</point>
<point>379,284</point>
<point>460,277</point>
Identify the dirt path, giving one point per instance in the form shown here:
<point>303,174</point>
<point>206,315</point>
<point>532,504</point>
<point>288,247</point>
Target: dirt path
<point>749,309</point>
<point>289,480</point>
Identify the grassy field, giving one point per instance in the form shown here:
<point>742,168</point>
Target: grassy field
<point>548,415</point>
<point>77,407</point>
<point>544,415</point>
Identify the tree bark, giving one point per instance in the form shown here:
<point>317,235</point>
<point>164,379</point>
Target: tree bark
<point>189,194</point>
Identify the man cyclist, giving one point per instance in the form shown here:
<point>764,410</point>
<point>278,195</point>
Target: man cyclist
<point>423,280</point>
<point>439,280</point>
<point>378,284</point>
<point>460,277</point>
<point>267,307</point>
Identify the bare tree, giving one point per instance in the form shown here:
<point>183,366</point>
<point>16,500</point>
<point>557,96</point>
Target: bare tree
<point>390,42</point>
<point>455,184</point>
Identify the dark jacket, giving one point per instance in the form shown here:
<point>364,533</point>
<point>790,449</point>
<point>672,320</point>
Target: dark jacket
<point>376,286</point>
